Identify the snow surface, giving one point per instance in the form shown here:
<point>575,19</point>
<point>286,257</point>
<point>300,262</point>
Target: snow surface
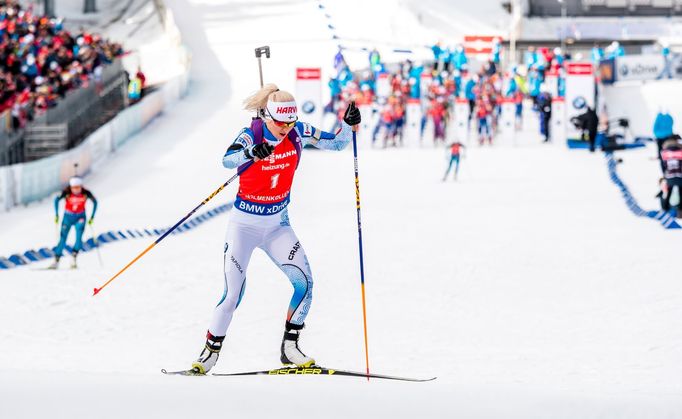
<point>527,286</point>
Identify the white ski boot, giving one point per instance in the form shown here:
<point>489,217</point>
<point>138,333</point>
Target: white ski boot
<point>209,356</point>
<point>55,264</point>
<point>291,353</point>
<point>74,264</point>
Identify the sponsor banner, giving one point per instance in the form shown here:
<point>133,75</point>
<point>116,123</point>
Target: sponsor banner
<point>558,123</point>
<point>639,67</point>
<point>260,209</point>
<point>462,120</point>
<point>580,88</point>
<point>383,86</point>
<point>607,71</point>
<point>309,95</point>
<point>413,119</point>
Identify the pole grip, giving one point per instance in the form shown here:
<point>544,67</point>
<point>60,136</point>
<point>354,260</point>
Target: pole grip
<point>263,50</point>
<point>260,51</point>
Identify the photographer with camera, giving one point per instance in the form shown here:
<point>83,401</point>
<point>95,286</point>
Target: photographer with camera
<point>588,122</point>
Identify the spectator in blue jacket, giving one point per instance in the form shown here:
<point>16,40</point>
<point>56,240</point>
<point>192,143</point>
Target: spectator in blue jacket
<point>667,64</point>
<point>663,130</point>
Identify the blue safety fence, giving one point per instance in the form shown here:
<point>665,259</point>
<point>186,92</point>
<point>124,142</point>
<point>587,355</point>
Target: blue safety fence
<point>666,219</point>
<point>43,253</point>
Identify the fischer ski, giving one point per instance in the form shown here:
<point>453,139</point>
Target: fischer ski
<point>317,370</point>
<point>314,370</point>
<point>193,371</point>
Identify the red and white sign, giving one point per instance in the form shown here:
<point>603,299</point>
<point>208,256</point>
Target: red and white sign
<point>479,44</point>
<point>308,74</point>
<point>309,95</point>
<point>581,69</point>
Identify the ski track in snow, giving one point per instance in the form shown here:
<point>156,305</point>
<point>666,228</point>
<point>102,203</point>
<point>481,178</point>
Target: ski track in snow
<point>527,286</point>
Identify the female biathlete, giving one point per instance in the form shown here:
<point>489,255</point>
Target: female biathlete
<point>75,196</point>
<point>267,154</point>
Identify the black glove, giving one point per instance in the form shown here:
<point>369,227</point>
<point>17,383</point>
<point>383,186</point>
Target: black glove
<point>352,115</point>
<point>261,151</point>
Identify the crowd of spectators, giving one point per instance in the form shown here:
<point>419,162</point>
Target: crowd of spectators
<point>40,61</point>
<point>437,85</point>
<point>448,79</point>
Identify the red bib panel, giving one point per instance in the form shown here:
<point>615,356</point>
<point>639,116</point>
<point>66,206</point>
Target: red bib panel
<point>269,181</point>
<point>75,203</point>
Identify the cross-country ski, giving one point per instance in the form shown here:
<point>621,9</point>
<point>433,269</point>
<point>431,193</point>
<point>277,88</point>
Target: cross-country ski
<point>312,370</point>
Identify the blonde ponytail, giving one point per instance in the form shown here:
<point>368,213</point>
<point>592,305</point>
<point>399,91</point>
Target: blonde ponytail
<point>269,91</point>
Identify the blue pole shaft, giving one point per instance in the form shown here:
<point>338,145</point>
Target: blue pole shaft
<point>362,264</point>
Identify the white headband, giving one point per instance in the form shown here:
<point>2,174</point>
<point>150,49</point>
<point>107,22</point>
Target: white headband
<point>282,111</point>
<point>75,181</point>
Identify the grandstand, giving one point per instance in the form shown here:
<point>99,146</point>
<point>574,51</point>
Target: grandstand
<point>603,8</point>
<point>41,116</point>
<point>636,24</point>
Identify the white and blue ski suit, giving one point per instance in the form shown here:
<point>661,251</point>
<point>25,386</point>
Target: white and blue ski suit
<point>260,218</point>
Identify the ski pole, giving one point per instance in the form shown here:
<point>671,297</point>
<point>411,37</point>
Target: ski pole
<point>94,239</point>
<point>170,230</point>
<point>259,51</point>
<point>362,266</point>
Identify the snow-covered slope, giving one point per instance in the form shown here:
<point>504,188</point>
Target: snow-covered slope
<point>527,287</point>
